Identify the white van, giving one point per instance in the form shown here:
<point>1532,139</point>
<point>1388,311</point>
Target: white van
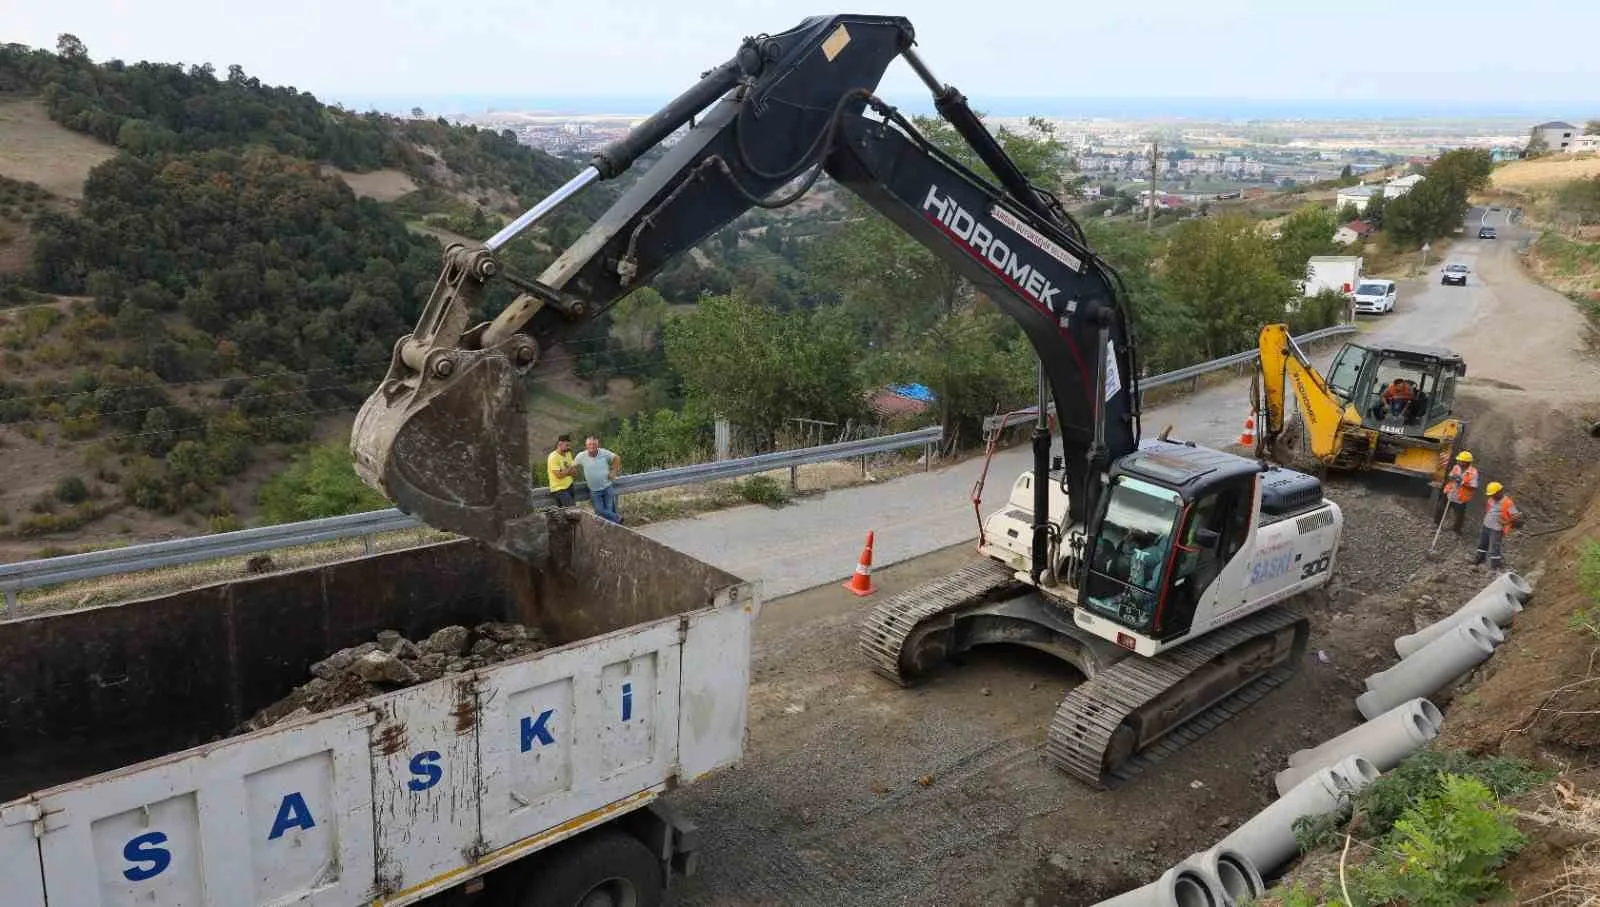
<point>1374,296</point>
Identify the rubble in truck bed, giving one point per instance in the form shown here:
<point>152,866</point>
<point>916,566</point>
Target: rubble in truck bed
<point>394,662</point>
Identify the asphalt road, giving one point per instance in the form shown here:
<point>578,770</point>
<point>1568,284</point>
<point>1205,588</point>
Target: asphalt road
<point>818,540</point>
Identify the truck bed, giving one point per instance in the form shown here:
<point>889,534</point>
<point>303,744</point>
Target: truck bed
<point>127,788</point>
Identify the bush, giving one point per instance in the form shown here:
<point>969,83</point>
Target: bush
<point>71,490</point>
<point>1444,850</point>
<point>1434,826</point>
<point>321,482</point>
<point>764,490</point>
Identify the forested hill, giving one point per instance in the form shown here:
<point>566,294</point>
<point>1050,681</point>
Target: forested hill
<point>200,272</point>
<point>149,108</point>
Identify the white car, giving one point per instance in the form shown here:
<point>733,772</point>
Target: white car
<point>1375,296</point>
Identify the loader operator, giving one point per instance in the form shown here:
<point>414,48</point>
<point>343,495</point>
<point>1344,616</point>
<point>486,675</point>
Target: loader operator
<point>1499,515</point>
<point>1397,396</point>
<point>1459,487</point>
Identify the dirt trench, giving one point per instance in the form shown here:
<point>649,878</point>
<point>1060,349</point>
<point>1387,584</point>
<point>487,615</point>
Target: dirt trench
<point>854,791</point>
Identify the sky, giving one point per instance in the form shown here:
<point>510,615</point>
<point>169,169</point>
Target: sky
<point>1488,56</point>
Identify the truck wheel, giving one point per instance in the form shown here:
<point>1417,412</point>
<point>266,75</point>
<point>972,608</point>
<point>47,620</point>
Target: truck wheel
<point>602,869</point>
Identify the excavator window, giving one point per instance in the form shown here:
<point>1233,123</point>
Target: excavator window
<point>1444,398</point>
<point>1131,552</point>
<point>1213,532</point>
<point>1346,372</point>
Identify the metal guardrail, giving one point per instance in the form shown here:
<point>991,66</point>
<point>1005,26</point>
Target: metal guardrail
<point>133,558</point>
<point>1187,373</point>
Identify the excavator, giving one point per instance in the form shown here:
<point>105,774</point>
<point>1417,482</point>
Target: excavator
<point>1383,407</point>
<point>1161,570</point>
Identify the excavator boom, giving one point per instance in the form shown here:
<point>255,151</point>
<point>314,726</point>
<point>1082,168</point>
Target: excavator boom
<point>445,434</point>
<point>1284,363</point>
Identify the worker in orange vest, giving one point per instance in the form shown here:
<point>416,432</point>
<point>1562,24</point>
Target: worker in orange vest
<point>1499,515</point>
<point>1459,487</point>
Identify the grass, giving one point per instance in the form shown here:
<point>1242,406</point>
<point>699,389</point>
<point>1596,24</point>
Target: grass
<point>35,149</point>
<point>1545,172</point>
<point>541,393</point>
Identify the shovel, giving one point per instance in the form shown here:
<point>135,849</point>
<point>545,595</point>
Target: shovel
<point>1431,555</point>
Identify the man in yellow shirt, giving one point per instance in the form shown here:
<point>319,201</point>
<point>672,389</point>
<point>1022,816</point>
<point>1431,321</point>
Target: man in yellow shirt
<point>561,469</point>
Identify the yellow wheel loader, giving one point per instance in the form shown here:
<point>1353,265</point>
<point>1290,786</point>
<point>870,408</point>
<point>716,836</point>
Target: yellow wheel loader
<point>1382,406</point>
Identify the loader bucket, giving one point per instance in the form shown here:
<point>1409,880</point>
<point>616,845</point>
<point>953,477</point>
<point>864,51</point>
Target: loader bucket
<point>453,451</point>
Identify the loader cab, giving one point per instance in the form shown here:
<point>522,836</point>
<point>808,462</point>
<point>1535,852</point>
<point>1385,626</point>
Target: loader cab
<point>1397,389</point>
<point>1173,516</point>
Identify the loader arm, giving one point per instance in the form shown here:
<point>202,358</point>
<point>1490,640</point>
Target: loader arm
<point>445,434</point>
<point>1284,363</point>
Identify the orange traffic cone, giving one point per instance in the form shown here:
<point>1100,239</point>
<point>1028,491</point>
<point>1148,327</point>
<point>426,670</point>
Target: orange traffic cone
<point>861,581</point>
<point>1248,438</point>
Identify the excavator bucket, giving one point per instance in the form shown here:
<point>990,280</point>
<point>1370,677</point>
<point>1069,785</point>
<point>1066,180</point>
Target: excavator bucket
<point>448,444</point>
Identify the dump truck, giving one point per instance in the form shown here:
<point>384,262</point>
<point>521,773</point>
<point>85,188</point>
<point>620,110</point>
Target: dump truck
<point>124,779</point>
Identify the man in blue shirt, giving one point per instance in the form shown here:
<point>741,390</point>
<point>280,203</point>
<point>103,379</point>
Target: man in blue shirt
<point>600,468</point>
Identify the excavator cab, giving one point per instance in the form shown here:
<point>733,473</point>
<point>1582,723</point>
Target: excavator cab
<point>1397,389</point>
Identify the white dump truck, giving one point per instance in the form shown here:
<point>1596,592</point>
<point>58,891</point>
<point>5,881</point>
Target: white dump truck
<point>532,781</point>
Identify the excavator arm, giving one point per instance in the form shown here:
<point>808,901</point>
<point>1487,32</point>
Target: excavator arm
<point>1284,363</point>
<point>444,435</point>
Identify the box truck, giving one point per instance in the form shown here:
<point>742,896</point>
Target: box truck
<point>125,779</point>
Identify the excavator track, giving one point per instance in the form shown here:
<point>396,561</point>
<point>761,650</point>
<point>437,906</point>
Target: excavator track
<point>1094,735</point>
<point>887,633</point>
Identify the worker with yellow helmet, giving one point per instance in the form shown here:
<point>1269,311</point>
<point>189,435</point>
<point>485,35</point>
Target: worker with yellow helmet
<point>1458,490</point>
<point>1499,515</point>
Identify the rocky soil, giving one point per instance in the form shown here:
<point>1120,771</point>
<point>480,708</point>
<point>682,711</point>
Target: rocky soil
<point>394,662</point>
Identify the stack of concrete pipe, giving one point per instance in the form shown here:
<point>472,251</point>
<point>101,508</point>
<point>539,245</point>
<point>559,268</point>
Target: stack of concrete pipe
<point>1219,877</point>
<point>1499,601</point>
<point>1384,741</point>
<point>1323,779</point>
<point>1432,667</point>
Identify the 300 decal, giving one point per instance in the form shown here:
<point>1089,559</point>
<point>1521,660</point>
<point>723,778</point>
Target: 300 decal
<point>1317,566</point>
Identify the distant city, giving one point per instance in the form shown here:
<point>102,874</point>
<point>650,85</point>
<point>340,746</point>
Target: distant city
<point>1197,158</point>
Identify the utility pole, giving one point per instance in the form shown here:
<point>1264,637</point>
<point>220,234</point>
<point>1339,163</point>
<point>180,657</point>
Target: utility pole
<point>1150,211</point>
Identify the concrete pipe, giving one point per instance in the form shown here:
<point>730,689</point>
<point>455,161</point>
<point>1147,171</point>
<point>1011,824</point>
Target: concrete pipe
<point>1232,872</point>
<point>1432,667</point>
<point>1518,584</point>
<point>1384,741</point>
<point>1267,838</point>
<point>1180,886</point>
<point>1497,601</point>
<point>1479,624</point>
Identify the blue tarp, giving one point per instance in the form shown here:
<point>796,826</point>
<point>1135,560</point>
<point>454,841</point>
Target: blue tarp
<point>912,392</point>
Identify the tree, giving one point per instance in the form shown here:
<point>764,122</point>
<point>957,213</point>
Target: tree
<point>1349,213</point>
<point>1226,273</point>
<point>321,482</point>
<point>1425,213</point>
<point>637,318</point>
<point>1592,127</point>
<point>1306,232</point>
<point>70,47</point>
<point>1374,207</point>
<point>971,362</point>
<point>758,367</point>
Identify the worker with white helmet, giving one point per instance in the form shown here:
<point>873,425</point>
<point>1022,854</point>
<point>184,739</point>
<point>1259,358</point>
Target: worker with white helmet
<point>1500,514</point>
<point>1459,487</point>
